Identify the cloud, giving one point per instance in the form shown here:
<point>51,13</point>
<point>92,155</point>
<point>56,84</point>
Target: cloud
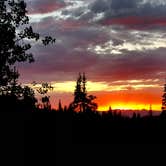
<point>69,86</point>
<point>100,6</point>
<point>42,6</point>
<point>139,13</point>
<point>73,9</point>
<point>99,38</point>
<point>137,22</point>
<point>141,41</point>
<point>119,44</point>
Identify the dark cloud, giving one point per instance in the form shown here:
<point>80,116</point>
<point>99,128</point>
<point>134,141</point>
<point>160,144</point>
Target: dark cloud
<point>100,6</point>
<point>42,6</point>
<point>126,6</point>
<point>70,54</point>
<point>59,63</point>
<point>135,22</point>
<point>131,66</point>
<point>123,4</point>
<point>114,7</point>
<point>108,5</point>
<point>126,12</point>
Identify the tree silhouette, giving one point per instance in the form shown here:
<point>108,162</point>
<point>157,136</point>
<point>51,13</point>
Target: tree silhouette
<point>43,90</point>
<point>82,101</point>
<point>15,37</point>
<point>164,99</point>
<point>150,110</point>
<point>60,106</point>
<point>163,108</point>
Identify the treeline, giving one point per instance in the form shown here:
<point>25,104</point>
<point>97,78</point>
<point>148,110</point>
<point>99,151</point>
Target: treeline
<point>18,98</point>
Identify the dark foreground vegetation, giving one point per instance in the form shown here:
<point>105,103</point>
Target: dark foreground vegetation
<point>31,131</point>
<point>20,108</point>
<point>90,127</point>
<point>39,135</point>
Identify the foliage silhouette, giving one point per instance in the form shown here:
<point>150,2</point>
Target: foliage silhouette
<point>82,101</point>
<point>60,108</point>
<point>112,127</point>
<point>92,127</point>
<point>15,33</point>
<point>15,42</point>
<point>164,102</point>
<point>45,99</point>
<point>81,118</point>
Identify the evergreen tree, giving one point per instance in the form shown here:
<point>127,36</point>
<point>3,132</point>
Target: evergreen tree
<point>60,106</point>
<point>164,100</point>
<point>150,111</point>
<point>82,101</point>
<point>65,108</point>
<point>84,94</point>
<point>78,94</point>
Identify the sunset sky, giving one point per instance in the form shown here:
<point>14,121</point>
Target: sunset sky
<point>119,44</point>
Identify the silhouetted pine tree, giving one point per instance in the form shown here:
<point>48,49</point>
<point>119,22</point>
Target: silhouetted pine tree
<point>82,102</point>
<point>78,94</point>
<point>60,106</point>
<point>164,100</point>
<point>84,94</point>
<point>150,111</point>
<point>65,108</point>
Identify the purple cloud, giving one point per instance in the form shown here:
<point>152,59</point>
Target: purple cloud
<point>106,52</point>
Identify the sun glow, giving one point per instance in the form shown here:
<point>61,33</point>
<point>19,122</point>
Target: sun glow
<point>130,106</point>
<point>120,94</point>
<point>69,86</point>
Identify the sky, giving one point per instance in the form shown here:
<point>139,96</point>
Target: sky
<point>119,44</point>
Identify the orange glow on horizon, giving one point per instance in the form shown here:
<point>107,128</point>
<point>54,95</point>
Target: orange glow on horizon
<point>129,100</point>
<point>124,95</point>
<point>130,106</point>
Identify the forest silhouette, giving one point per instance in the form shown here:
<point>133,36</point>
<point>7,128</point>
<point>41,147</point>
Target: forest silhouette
<point>80,122</point>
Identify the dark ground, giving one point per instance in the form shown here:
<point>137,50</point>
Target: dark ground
<point>85,139</point>
<point>61,138</point>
